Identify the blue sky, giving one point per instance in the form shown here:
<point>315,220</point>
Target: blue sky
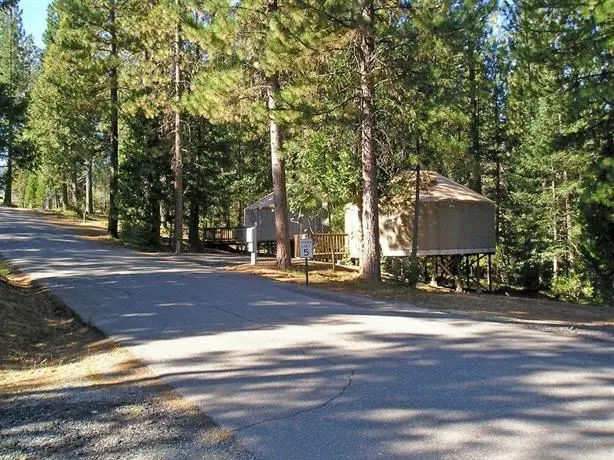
<point>35,18</point>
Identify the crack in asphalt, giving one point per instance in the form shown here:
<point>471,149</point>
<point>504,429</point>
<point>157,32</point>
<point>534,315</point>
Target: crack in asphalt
<point>302,411</point>
<point>229,312</point>
<point>297,413</point>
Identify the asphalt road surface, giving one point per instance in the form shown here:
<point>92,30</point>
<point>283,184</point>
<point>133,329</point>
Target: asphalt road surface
<point>298,375</point>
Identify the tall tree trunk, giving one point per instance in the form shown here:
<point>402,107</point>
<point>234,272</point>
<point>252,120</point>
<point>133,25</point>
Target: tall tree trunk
<point>414,238</point>
<point>8,179</point>
<point>497,197</point>
<point>193,236</point>
<point>89,188</point>
<point>154,217</point>
<point>114,154</point>
<point>177,162</point>
<point>240,214</point>
<point>75,190</point>
<point>227,215</point>
<point>497,123</point>
<point>476,173</point>
<point>8,175</point>
<point>64,196</point>
<point>568,222</point>
<point>555,237</point>
<point>370,269</point>
<point>278,171</point>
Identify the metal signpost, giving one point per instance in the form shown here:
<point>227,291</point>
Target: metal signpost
<point>306,252</point>
<point>251,238</point>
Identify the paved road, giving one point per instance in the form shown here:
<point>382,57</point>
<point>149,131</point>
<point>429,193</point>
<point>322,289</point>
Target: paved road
<point>298,376</point>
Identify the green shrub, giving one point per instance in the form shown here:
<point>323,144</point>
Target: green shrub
<point>34,194</point>
<point>402,269</point>
<point>412,274</point>
<point>572,287</point>
<point>137,232</point>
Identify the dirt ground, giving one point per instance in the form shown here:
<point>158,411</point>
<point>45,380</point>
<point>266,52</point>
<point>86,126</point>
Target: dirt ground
<point>67,392</point>
<point>543,312</point>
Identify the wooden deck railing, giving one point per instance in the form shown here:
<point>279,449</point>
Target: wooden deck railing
<point>325,246</point>
<point>224,234</point>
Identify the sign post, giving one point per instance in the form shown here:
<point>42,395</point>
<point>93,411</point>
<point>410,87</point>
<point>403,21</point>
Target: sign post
<point>306,252</point>
<point>251,238</point>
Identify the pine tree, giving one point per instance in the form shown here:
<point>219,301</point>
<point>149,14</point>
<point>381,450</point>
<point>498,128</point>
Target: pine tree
<point>150,110</point>
<point>64,118</point>
<point>253,49</point>
<point>177,160</point>
<point>99,37</point>
<point>566,66</point>
<point>17,61</point>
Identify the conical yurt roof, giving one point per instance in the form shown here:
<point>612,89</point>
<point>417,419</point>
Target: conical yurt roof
<point>434,187</point>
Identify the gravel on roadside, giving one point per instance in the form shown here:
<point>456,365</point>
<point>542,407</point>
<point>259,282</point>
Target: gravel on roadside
<point>105,407</point>
<point>66,392</point>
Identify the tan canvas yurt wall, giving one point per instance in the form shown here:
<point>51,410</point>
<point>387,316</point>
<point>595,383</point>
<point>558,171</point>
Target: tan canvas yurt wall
<point>452,220</point>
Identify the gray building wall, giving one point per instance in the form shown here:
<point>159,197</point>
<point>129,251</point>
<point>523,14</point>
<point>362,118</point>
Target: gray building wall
<point>264,218</point>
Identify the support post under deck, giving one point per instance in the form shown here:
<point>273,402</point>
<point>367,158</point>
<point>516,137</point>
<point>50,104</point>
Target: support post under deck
<point>488,275</point>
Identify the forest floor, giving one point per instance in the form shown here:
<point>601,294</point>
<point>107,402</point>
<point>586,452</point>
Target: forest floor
<point>542,312</point>
<point>94,228</point>
<point>67,392</point>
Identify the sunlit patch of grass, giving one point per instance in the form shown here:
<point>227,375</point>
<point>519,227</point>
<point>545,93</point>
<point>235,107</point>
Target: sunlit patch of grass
<point>5,269</point>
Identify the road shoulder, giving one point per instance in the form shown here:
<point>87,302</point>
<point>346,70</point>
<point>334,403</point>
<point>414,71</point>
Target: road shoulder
<point>68,392</point>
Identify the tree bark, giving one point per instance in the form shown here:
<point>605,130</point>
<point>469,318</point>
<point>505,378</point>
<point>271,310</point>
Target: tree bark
<point>8,179</point>
<point>193,236</point>
<point>77,193</point>
<point>555,237</point>
<point>64,196</point>
<point>568,222</point>
<point>497,123</point>
<point>278,171</point>
<point>154,217</point>
<point>370,269</point>
<point>8,175</point>
<point>177,161</point>
<point>240,214</point>
<point>114,133</point>
<point>414,238</point>
<point>476,174</point>
<point>89,188</point>
<point>498,198</point>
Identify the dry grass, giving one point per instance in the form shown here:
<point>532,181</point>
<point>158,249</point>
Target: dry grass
<point>347,280</point>
<point>35,329</point>
<point>43,343</point>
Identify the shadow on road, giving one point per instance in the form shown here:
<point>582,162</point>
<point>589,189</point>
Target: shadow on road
<point>302,377</point>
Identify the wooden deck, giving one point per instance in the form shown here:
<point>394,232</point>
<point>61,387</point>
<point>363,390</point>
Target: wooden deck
<point>326,246</point>
<point>224,235</point>
<point>233,239</point>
